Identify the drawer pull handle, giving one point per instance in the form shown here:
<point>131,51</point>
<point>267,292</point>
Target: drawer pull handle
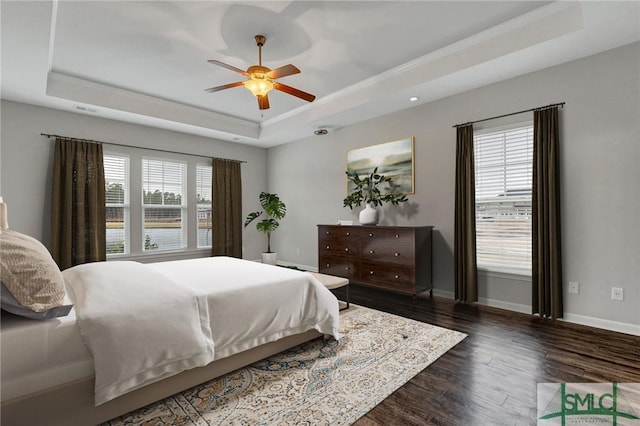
<point>396,254</point>
<point>327,247</point>
<point>347,249</point>
<point>348,233</point>
<point>328,265</point>
<point>371,251</point>
<point>346,268</point>
<point>327,232</point>
<point>370,272</point>
<point>397,276</point>
<point>397,236</point>
<point>370,235</point>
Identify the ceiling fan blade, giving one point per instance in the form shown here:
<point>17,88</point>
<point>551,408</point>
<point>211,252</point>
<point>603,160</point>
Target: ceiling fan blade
<point>224,86</point>
<point>263,102</point>
<point>227,66</point>
<point>293,91</point>
<point>283,71</point>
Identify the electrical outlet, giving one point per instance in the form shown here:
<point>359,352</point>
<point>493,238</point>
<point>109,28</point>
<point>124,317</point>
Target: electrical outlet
<point>574,287</point>
<point>617,293</point>
<point>297,251</point>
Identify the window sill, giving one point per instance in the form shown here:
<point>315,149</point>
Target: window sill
<point>163,256</point>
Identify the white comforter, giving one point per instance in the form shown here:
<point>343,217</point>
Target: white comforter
<point>144,323</point>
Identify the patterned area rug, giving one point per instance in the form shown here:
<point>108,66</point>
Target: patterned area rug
<point>322,382</point>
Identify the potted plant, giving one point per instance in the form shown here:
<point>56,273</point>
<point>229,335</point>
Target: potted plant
<point>366,190</point>
<point>274,210</point>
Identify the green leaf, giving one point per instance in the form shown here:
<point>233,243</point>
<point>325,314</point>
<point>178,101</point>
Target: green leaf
<point>366,190</point>
<point>251,217</point>
<point>267,225</point>
<point>272,205</point>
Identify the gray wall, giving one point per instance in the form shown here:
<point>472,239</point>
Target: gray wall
<point>27,159</point>
<point>600,155</point>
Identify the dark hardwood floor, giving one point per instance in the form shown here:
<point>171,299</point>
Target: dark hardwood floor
<point>491,377</point>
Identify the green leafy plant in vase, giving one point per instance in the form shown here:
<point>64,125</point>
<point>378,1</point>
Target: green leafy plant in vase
<point>367,190</point>
<point>274,210</point>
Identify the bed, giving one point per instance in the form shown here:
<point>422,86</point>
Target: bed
<point>54,371</point>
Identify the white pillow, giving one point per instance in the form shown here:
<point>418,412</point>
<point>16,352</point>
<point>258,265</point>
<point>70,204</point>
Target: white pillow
<point>29,273</point>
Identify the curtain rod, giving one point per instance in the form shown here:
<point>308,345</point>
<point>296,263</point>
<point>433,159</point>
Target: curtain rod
<point>131,146</point>
<point>560,104</point>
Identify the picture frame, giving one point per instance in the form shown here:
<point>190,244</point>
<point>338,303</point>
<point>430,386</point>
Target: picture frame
<point>395,159</point>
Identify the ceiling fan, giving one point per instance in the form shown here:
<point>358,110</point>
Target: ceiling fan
<point>261,80</point>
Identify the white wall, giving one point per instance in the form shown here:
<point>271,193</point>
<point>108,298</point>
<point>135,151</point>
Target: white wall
<point>26,160</point>
<point>600,158</point>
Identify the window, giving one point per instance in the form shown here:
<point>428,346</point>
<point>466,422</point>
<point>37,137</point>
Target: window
<point>158,204</point>
<point>116,173</point>
<point>504,164</point>
<point>164,204</point>
<point>203,201</point>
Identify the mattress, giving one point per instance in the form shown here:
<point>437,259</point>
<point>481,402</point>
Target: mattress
<point>37,355</point>
<point>40,354</point>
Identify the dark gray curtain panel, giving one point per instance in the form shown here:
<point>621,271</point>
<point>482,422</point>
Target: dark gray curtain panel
<point>466,278</point>
<point>226,208</point>
<point>546,236</point>
<point>78,229</point>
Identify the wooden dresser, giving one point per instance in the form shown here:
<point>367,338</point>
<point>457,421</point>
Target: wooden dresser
<point>395,258</point>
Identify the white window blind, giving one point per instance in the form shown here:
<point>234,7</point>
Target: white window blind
<point>503,173</point>
<point>203,201</point>
<point>164,204</point>
<point>116,173</point>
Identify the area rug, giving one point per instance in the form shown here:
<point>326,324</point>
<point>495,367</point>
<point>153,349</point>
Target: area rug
<point>322,382</point>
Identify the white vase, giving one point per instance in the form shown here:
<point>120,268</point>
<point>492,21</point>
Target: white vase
<point>270,258</point>
<point>368,215</point>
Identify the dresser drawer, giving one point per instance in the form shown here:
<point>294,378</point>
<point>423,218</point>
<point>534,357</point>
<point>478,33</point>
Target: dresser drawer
<point>396,253</point>
<point>337,247</point>
<point>336,233</point>
<point>338,267</point>
<point>394,277</point>
<point>387,236</point>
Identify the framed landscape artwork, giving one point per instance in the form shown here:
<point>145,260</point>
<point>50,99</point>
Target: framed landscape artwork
<point>394,159</point>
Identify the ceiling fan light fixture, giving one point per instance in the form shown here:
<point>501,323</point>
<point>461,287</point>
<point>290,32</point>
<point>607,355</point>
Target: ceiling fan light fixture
<point>261,80</point>
<point>258,85</point>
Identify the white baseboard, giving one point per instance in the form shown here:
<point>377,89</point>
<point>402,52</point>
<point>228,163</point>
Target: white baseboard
<point>299,266</point>
<point>444,293</point>
<point>620,327</point>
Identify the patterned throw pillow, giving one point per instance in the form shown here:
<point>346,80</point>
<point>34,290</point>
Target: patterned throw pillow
<point>29,273</point>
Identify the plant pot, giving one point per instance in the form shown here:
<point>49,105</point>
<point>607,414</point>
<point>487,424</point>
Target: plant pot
<point>368,216</point>
<point>270,258</point>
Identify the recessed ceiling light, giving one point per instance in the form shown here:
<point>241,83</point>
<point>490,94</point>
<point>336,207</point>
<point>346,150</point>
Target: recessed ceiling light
<point>414,98</point>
